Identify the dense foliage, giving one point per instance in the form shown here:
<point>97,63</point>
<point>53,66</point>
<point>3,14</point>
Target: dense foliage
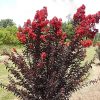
<point>50,68</point>
<point>8,35</point>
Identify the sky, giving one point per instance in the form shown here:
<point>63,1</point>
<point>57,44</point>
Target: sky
<point>21,10</point>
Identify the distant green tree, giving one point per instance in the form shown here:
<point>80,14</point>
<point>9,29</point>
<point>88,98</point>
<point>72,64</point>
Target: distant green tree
<point>68,28</point>
<point>97,37</point>
<point>6,22</point>
<point>8,35</point>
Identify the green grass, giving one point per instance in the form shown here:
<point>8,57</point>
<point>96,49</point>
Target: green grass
<point>5,95</point>
<point>90,53</point>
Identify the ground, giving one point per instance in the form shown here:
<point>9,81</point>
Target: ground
<point>91,92</point>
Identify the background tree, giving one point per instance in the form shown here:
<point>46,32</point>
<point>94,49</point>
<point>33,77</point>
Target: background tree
<point>8,35</point>
<point>97,38</point>
<point>68,28</point>
<point>6,22</point>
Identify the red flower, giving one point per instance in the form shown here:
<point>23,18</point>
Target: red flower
<point>59,33</point>
<point>83,6</point>
<point>43,55</point>
<point>56,23</point>
<point>28,22</point>
<point>32,35</point>
<point>86,43</point>
<point>25,30</point>
<point>64,35</point>
<point>41,15</point>
<point>43,38</point>
<point>44,23</point>
<point>79,15</point>
<point>80,31</point>
<point>21,37</point>
<point>34,25</point>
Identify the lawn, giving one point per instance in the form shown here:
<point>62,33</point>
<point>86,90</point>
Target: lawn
<point>5,95</point>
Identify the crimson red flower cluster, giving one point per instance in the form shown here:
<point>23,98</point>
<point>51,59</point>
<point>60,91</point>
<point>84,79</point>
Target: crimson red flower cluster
<point>39,31</point>
<point>85,24</point>
<point>86,43</point>
<point>79,15</point>
<point>43,55</point>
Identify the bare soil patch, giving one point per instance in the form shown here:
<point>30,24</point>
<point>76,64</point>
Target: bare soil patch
<point>91,92</point>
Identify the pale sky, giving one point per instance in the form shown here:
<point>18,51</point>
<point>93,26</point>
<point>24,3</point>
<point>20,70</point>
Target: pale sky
<point>21,10</point>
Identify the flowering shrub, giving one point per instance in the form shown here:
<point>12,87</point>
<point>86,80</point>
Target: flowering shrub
<point>50,68</point>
